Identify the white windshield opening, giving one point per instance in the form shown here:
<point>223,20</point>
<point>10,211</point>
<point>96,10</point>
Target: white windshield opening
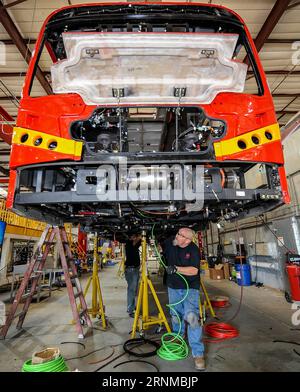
<point>151,68</point>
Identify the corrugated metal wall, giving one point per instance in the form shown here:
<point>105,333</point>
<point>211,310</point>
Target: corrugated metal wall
<point>267,253</point>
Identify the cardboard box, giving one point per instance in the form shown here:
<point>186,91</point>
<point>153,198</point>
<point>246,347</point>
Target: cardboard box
<point>226,269</point>
<point>203,265</point>
<point>219,266</point>
<point>216,273</point>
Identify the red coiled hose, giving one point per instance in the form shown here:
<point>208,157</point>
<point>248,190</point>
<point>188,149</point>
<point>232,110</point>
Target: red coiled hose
<point>220,331</point>
<point>219,301</point>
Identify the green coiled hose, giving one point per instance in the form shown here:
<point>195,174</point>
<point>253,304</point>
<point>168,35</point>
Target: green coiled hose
<point>173,347</point>
<point>56,365</point>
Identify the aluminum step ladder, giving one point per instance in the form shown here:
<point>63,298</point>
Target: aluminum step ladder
<point>34,273</point>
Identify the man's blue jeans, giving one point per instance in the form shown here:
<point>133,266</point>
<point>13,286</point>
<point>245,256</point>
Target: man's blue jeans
<point>188,310</point>
<point>132,275</point>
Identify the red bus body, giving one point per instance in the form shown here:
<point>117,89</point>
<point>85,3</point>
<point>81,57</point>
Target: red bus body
<point>250,120</point>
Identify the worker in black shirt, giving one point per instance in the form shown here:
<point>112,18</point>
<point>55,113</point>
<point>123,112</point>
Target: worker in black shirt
<point>132,270</point>
<point>183,256</point>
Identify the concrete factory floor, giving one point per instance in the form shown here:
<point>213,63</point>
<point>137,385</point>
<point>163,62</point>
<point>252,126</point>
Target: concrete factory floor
<point>265,316</point>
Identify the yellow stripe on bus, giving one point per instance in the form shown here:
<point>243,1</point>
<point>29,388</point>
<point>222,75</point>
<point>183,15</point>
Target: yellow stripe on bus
<point>247,140</point>
<point>31,138</point>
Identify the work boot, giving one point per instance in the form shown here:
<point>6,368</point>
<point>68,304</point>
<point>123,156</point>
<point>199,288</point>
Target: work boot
<point>199,363</point>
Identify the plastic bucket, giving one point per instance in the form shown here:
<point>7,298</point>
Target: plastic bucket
<point>243,274</point>
<point>2,231</point>
<point>294,278</point>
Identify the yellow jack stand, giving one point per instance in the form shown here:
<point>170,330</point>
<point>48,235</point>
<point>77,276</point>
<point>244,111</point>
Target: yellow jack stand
<point>207,303</point>
<point>97,309</point>
<point>145,320</point>
<point>121,269</point>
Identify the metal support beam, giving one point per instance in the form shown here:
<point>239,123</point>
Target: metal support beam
<point>277,11</point>
<point>284,112</point>
<point>6,115</point>
<point>288,95</point>
<point>18,40</point>
<point>14,3</point>
<point>291,127</point>
<point>286,106</point>
<point>9,98</point>
<point>274,72</point>
<point>4,171</point>
<point>281,40</point>
<point>6,130</point>
<point>18,74</point>
<point>12,74</point>
<point>11,42</point>
<point>294,5</point>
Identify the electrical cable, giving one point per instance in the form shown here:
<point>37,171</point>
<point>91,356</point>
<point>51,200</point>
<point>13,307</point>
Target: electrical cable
<point>56,365</point>
<point>242,287</point>
<point>173,346</point>
<point>284,78</point>
<point>109,362</point>
<point>286,341</point>
<point>162,212</point>
<point>138,212</point>
<point>81,344</point>
<point>141,212</point>
<point>138,361</point>
<point>255,254</point>
<point>103,359</point>
<point>276,236</point>
<point>141,341</point>
<point>92,352</point>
